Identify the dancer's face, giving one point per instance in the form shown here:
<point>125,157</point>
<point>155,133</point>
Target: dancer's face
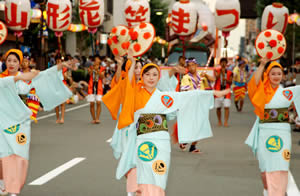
<point>192,67</point>
<point>275,76</point>
<point>13,64</point>
<point>151,78</point>
<point>137,70</point>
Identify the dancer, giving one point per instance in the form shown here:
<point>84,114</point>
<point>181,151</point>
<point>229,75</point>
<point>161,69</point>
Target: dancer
<point>60,119</point>
<point>223,81</point>
<point>239,85</point>
<point>144,113</point>
<point>95,90</point>
<point>193,81</point>
<point>270,137</point>
<point>32,100</point>
<point>119,140</point>
<point>15,128</point>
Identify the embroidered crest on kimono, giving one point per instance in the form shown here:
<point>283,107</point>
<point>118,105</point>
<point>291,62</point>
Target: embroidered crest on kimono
<point>167,101</point>
<point>274,143</point>
<point>147,151</point>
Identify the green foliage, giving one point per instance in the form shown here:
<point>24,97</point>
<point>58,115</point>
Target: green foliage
<point>159,21</point>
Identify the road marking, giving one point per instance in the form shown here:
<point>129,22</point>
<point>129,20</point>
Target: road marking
<point>292,189</point>
<point>52,174</point>
<point>67,110</point>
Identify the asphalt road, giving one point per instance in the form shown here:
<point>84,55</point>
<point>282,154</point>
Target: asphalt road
<point>227,166</point>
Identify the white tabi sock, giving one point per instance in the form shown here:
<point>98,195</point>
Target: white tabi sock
<point>265,192</point>
<point>130,194</point>
<point>2,188</point>
<point>13,194</point>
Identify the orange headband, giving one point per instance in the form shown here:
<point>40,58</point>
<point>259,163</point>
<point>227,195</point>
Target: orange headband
<point>148,65</point>
<point>273,64</point>
<point>18,52</point>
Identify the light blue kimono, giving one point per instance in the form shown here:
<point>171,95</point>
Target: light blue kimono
<point>192,110</point>
<point>15,138</point>
<point>120,137</point>
<point>274,157</point>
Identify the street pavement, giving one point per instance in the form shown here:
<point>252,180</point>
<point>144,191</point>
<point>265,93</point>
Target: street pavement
<point>227,166</point>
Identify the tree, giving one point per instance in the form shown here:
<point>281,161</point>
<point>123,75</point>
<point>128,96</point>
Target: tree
<point>159,22</point>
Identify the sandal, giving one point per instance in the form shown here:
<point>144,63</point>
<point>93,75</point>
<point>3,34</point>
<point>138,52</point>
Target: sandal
<point>182,147</point>
<point>196,151</point>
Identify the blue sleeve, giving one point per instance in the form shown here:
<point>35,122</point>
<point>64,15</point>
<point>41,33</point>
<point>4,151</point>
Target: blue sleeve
<point>193,115</point>
<point>50,88</point>
<point>13,110</point>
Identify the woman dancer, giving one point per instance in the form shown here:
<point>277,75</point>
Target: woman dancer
<point>270,137</point>
<point>15,135</point>
<point>144,114</point>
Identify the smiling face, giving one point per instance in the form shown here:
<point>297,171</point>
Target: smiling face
<point>137,70</point>
<point>275,76</point>
<point>151,78</point>
<point>13,64</point>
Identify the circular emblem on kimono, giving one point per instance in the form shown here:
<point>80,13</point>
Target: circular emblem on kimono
<point>274,143</point>
<point>167,101</point>
<point>159,167</point>
<point>288,94</point>
<point>13,129</point>
<point>147,151</point>
<point>271,44</point>
<point>21,138</point>
<point>286,155</point>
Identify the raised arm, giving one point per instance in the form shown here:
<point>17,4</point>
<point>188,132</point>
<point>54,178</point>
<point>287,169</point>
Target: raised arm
<point>27,76</point>
<point>68,64</point>
<point>176,69</point>
<point>133,62</point>
<point>260,70</point>
<point>120,61</point>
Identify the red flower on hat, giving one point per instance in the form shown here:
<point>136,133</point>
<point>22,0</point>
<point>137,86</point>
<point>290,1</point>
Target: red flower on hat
<point>125,45</point>
<point>109,41</point>
<point>137,47</point>
<point>133,34</point>
<point>115,51</point>
<point>261,45</point>
<point>147,35</point>
<point>114,30</point>
<point>268,34</point>
<point>280,50</point>
<point>143,25</point>
<point>115,39</point>
<point>269,55</point>
<point>123,32</point>
<point>273,43</point>
<point>279,37</point>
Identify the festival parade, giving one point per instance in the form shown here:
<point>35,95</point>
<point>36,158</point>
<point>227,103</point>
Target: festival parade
<point>149,97</point>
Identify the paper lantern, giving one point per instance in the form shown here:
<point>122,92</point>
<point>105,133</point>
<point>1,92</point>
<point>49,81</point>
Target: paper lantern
<point>59,14</point>
<point>206,20</point>
<point>184,18</point>
<point>91,12</point>
<point>136,12</point>
<point>275,17</point>
<point>17,14</point>
<point>271,44</point>
<point>227,14</point>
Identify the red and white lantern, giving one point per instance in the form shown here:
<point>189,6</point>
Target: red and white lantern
<point>184,18</point>
<point>136,12</point>
<point>206,20</point>
<point>91,12</point>
<point>227,14</point>
<point>59,14</point>
<point>17,14</point>
<point>275,17</point>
